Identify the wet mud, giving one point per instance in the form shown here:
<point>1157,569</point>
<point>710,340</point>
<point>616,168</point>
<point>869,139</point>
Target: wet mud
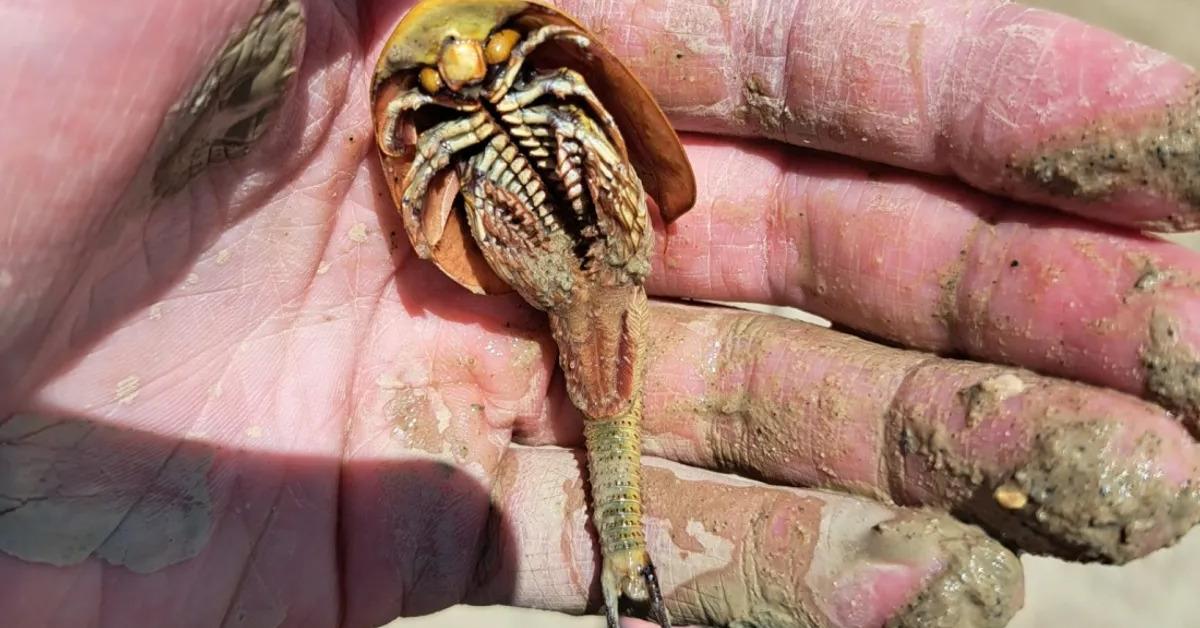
<point>1172,370</point>
<point>1104,504</point>
<point>1155,154</point>
<point>980,585</point>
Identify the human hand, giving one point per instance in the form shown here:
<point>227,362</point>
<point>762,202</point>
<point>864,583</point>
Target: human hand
<point>239,398</point>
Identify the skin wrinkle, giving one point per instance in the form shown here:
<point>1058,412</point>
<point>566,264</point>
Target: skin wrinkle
<point>804,272</point>
<point>854,95</point>
<point>916,60</point>
<point>738,336</point>
<point>134,503</point>
<point>1043,50</point>
<point>746,398</point>
<point>891,456</point>
<point>976,108</point>
<point>81,327</point>
<point>789,45</point>
<point>946,449</point>
<point>775,217</point>
<point>248,565</point>
<point>340,232</point>
<point>971,299</point>
<point>715,597</point>
<point>1008,244</point>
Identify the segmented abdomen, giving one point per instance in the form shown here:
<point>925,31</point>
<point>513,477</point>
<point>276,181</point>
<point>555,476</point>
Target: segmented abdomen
<point>614,448</point>
<point>532,213</point>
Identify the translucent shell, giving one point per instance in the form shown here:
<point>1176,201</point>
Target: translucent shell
<point>653,147</point>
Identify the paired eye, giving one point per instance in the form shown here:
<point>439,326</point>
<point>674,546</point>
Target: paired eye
<point>461,63</point>
<point>500,45</point>
<point>431,80</point>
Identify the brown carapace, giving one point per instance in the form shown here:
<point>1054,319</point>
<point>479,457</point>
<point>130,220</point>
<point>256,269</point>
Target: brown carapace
<point>520,153</point>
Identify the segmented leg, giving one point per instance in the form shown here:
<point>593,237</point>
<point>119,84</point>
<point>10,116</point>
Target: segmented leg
<point>501,166</point>
<point>410,100</point>
<point>562,83</point>
<point>658,607</point>
<point>613,187</point>
<point>504,80</point>
<point>514,225</point>
<point>567,121</point>
<point>558,159</point>
<point>433,152</point>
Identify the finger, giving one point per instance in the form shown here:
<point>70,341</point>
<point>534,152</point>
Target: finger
<point>729,550</point>
<point>1047,465</point>
<point>89,240</point>
<point>931,266</point>
<point>1014,100</point>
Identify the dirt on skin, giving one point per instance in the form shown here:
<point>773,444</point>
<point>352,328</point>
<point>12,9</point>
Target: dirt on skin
<point>417,421</point>
<point>1068,486</point>
<point>985,397</point>
<point>748,433</point>
<point>1103,501</point>
<point>792,553</point>
<point>1152,277</point>
<point>1172,370</point>
<point>935,446</point>
<point>1074,496</point>
<point>1159,154</point>
<point>768,560</point>
<point>973,439</point>
<point>769,113</point>
<point>978,587</point>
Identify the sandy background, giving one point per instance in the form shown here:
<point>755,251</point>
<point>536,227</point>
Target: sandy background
<point>1161,591</point>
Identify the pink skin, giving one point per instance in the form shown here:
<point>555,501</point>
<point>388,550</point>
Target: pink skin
<point>925,263</point>
<point>828,411</point>
<point>266,312</point>
<point>930,86</point>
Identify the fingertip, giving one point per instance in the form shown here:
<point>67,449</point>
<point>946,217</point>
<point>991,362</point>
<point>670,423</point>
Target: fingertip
<point>976,582</point>
<point>730,551</point>
<point>1169,355</point>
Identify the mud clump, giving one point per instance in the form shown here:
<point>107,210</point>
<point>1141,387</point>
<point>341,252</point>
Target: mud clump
<point>1152,278</point>
<point>1093,502</point>
<point>769,113</point>
<point>1158,154</point>
<point>1172,370</point>
<point>979,587</point>
<point>984,398</point>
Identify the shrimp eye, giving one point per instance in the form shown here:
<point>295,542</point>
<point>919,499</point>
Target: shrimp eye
<point>430,80</point>
<point>500,45</point>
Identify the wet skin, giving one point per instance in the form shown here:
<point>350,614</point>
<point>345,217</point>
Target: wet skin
<point>256,405</point>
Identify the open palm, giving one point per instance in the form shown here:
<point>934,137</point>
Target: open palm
<point>231,395</point>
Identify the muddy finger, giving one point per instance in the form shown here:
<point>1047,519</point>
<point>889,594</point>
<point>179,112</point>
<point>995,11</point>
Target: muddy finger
<point>734,552</point>
<point>1046,465</point>
<point>932,266</point>
<point>1014,100</point>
